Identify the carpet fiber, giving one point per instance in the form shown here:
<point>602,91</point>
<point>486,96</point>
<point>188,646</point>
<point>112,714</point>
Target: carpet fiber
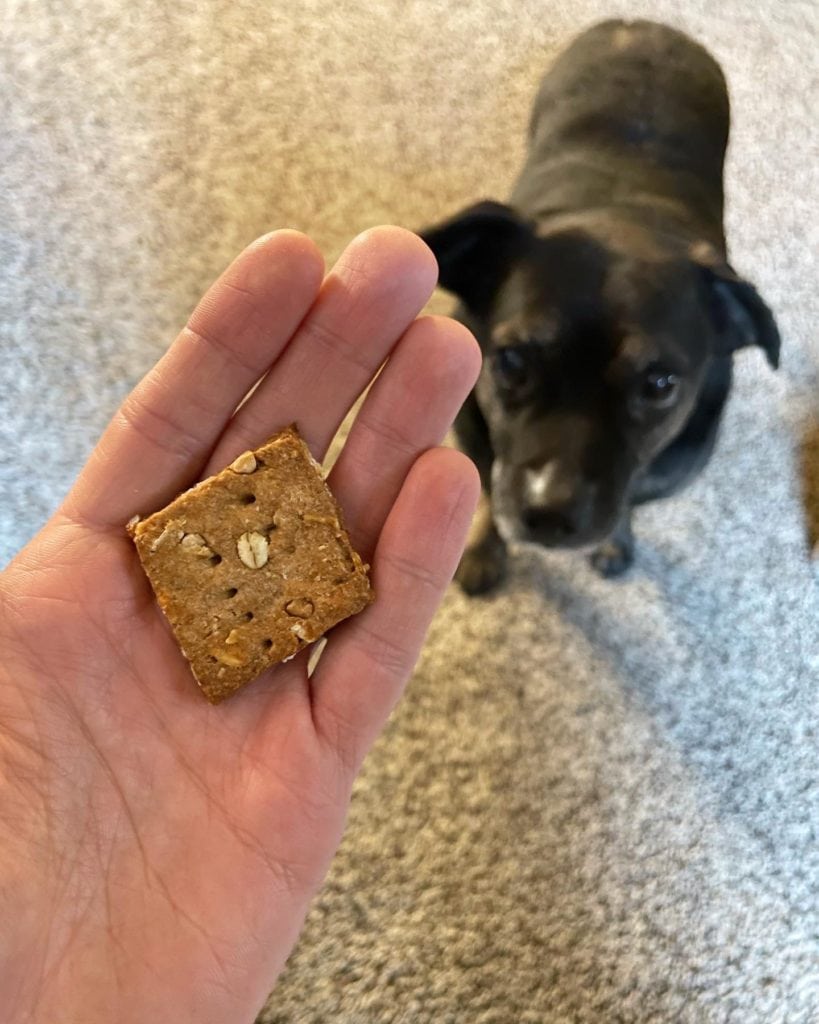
<point>598,801</point>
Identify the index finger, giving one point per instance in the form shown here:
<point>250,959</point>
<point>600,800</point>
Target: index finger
<point>164,431</point>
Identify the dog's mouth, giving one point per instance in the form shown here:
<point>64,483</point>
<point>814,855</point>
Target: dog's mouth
<point>514,530</point>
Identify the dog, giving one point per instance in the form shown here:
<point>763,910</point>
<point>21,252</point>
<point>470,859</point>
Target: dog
<point>603,300</point>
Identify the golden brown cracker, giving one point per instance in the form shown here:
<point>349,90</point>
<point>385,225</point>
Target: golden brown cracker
<point>252,564</point>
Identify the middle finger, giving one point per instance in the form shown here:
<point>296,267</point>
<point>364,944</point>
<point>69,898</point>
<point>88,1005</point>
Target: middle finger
<point>376,289</point>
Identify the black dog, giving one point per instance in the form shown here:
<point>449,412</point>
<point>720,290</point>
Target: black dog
<point>602,299</point>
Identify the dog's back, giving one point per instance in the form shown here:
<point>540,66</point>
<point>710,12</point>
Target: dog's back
<point>631,114</point>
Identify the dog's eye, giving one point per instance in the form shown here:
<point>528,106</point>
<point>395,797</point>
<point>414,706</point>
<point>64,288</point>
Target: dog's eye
<point>659,387</point>
<point>510,367</point>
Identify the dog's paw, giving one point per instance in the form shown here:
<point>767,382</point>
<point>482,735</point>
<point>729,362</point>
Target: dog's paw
<point>613,558</point>
<point>481,569</point>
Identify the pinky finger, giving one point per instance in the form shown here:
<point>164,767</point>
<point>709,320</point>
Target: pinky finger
<point>368,660</point>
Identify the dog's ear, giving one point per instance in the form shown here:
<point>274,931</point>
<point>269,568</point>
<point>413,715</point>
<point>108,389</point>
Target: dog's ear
<point>474,249</point>
<point>741,315</point>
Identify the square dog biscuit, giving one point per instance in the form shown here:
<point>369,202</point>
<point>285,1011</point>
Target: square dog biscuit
<point>252,564</point>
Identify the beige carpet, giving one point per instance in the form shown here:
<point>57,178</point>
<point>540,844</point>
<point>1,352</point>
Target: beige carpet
<point>598,802</point>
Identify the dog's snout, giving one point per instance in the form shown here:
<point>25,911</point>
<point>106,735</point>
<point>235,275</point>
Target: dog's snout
<point>558,524</point>
<point>551,524</point>
<point>554,510</point>
<point>542,486</point>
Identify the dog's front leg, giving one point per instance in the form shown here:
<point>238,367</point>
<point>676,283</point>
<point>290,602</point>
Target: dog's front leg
<point>483,564</point>
<point>616,555</point>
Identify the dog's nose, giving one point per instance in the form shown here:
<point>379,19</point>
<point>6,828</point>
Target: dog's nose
<point>555,524</point>
<point>554,511</point>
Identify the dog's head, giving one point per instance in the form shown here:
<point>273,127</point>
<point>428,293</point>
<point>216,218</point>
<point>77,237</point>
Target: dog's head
<point>596,341</point>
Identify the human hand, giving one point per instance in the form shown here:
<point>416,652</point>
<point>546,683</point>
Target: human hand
<point>158,854</point>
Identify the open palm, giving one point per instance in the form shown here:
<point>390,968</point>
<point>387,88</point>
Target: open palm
<point>157,854</point>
